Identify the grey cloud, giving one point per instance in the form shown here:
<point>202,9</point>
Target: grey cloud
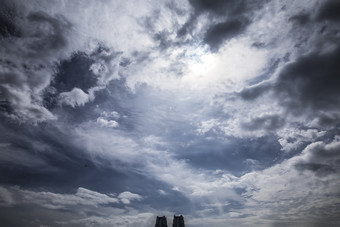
<point>266,122</point>
<point>320,169</point>
<point>50,33</point>
<point>292,139</point>
<point>301,18</point>
<point>230,156</point>
<point>13,155</point>
<point>321,158</point>
<point>106,65</point>
<point>162,38</point>
<point>27,64</point>
<point>22,95</point>
<point>187,26</point>
<point>255,91</point>
<point>6,198</point>
<point>328,120</point>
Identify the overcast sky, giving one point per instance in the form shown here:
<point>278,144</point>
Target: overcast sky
<point>114,112</point>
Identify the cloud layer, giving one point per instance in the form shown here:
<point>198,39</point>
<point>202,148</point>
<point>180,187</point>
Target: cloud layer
<point>114,112</point>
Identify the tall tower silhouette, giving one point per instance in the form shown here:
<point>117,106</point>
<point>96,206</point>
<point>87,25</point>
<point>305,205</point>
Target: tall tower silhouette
<point>161,222</point>
<point>178,221</point>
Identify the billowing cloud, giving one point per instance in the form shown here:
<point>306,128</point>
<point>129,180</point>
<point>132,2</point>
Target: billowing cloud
<point>107,123</point>
<point>127,197</point>
<point>76,97</point>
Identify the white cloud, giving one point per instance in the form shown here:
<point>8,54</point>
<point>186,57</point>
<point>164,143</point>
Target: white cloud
<point>160,164</point>
<point>225,69</point>
<point>118,218</point>
<point>90,207</point>
<point>106,66</point>
<point>83,196</point>
<point>51,200</point>
<point>292,138</point>
<point>162,192</point>
<point>283,192</point>
<point>152,140</point>
<point>107,123</point>
<point>113,114</point>
<point>127,197</point>
<point>24,94</point>
<point>75,97</point>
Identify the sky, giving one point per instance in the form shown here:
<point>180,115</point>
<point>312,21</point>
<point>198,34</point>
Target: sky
<point>114,112</point>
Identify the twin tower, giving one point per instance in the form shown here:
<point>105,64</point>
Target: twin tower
<point>178,221</point>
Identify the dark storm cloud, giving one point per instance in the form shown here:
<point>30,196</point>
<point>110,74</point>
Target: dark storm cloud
<point>75,72</point>
<point>219,7</point>
<point>237,16</point>
<point>58,161</point>
<point>301,18</point>
<point>47,157</point>
<point>63,168</point>
<point>51,37</point>
<point>312,82</point>
<point>330,10</point>
<point>238,156</point>
<point>218,33</point>
<point>327,11</point>
<point>8,14</point>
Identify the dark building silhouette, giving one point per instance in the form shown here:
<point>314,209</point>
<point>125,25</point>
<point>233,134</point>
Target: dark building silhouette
<point>161,222</point>
<point>178,221</point>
